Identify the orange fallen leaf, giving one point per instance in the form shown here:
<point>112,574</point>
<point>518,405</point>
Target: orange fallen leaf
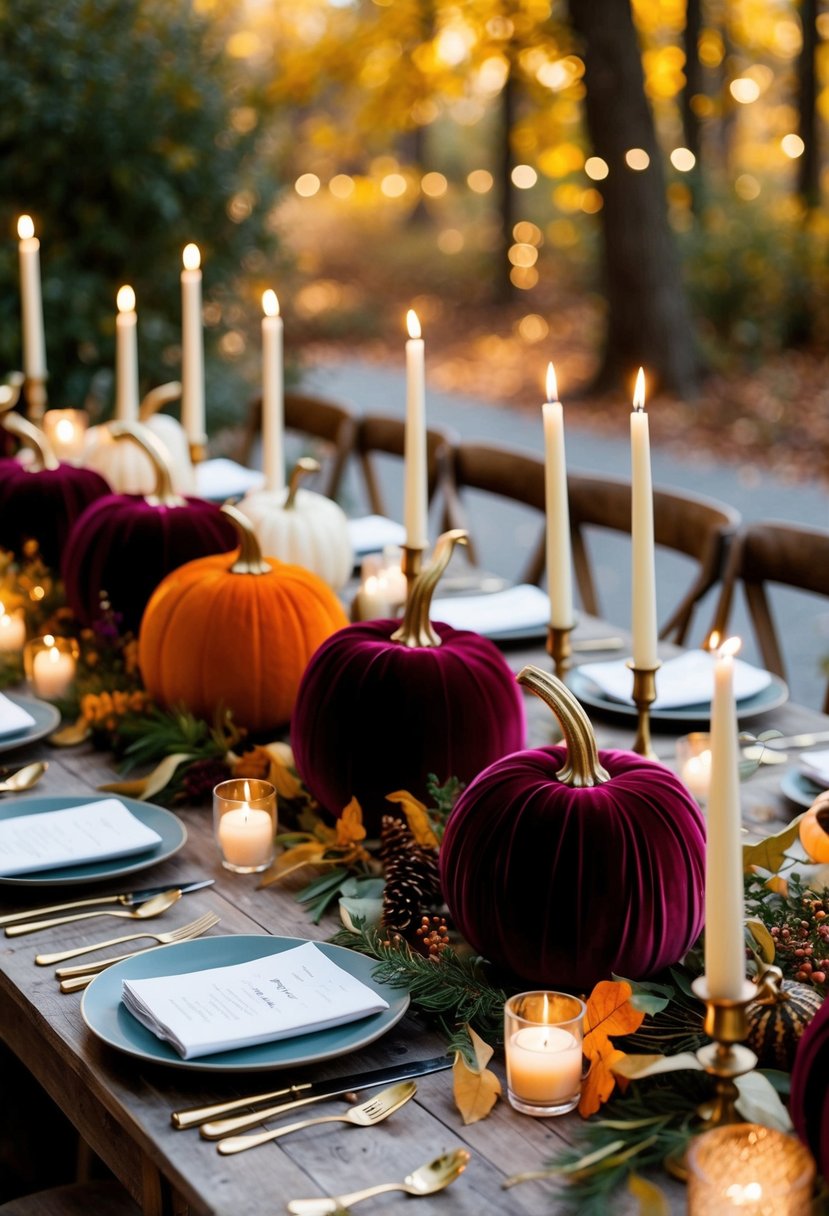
<point>609,1012</point>
<point>350,825</point>
<point>600,1082</point>
<point>476,1089</point>
<point>417,818</point>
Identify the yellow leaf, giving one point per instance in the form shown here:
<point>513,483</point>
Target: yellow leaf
<point>652,1201</point>
<point>609,1011</point>
<point>476,1090</point>
<point>71,735</point>
<point>599,1083</point>
<point>350,825</point>
<point>417,818</point>
<point>145,787</point>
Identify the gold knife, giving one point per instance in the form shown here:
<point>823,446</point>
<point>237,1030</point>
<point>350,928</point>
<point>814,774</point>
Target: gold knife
<point>129,900</point>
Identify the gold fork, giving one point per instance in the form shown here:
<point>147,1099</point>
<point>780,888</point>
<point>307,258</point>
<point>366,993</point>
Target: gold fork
<point>366,1114</point>
<point>164,939</point>
<point>73,979</point>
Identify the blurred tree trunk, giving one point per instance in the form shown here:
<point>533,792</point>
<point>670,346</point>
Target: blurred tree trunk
<point>694,87</point>
<point>648,320</point>
<point>808,169</point>
<point>504,290</point>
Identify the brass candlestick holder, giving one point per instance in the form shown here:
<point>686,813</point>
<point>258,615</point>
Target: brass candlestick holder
<point>411,564</point>
<point>198,451</point>
<point>559,648</point>
<point>34,394</point>
<point>644,694</point>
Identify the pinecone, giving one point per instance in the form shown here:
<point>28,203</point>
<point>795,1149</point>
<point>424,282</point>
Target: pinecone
<point>412,880</point>
<point>200,778</point>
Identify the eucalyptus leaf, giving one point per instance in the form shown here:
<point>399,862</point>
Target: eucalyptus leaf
<point>759,1102</point>
<point>780,1081</point>
<point>770,853</point>
<point>648,996</point>
<point>636,1067</point>
<point>369,910</point>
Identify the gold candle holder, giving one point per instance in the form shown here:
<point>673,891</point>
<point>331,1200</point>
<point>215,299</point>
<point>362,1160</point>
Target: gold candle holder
<point>644,694</point>
<point>411,564</point>
<point>34,394</point>
<point>198,452</point>
<point>559,648</point>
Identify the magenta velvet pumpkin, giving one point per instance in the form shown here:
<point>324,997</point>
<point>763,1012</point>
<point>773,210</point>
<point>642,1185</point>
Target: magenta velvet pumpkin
<point>42,501</point>
<point>374,715</point>
<point>125,544</point>
<point>564,885</point>
<point>809,1103</point>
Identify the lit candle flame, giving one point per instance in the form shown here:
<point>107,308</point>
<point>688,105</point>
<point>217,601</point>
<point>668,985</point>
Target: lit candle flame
<point>412,324</point>
<point>25,228</point>
<point>246,788</point>
<point>48,639</point>
<point>54,654</point>
<point>552,386</point>
<point>713,642</point>
<point>191,257</point>
<point>65,431</point>
<point>270,304</point>
<point>639,391</point>
<point>729,648</point>
<point>125,299</point>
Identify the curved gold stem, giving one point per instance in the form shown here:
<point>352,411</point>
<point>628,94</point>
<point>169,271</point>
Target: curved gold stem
<point>11,390</point>
<point>416,628</point>
<point>249,560</point>
<point>163,495</point>
<point>32,435</point>
<point>304,466</point>
<point>158,397</point>
<point>582,767</point>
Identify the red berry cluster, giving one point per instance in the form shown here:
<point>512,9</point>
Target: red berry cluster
<point>801,940</point>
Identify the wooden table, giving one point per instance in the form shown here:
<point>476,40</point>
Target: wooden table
<point>122,1107</point>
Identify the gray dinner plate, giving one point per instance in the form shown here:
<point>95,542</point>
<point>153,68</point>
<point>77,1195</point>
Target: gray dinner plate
<point>46,719</point>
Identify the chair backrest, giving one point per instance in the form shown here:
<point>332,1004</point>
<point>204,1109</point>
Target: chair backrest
<point>379,434</point>
<point>697,527</point>
<point>790,555</point>
<point>334,425</point>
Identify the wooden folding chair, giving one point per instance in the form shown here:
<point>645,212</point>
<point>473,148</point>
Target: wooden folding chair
<point>333,425</point>
<point>780,553</point>
<point>379,435</point>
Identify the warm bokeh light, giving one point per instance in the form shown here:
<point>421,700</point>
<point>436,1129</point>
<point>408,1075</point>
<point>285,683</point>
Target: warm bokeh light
<point>639,390</point>
<point>596,168</point>
<point>270,304</point>
<point>393,185</point>
<point>523,255</point>
<point>412,324</point>
<point>307,185</point>
<point>747,187</point>
<point>191,257</point>
<point>523,277</point>
<point>683,160</point>
<point>25,228</point>
<point>793,146</point>
<point>552,386</point>
<point>533,328</point>
<point>450,240</point>
<point>744,90</point>
<point>125,299</point>
<point>341,185</point>
<point>590,201</point>
<point>637,158</point>
<point>434,185</point>
<point>524,177</point>
<point>527,233</point>
<point>480,180</point>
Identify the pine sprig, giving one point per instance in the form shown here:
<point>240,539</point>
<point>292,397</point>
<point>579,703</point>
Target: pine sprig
<point>452,988</point>
<point>161,733</point>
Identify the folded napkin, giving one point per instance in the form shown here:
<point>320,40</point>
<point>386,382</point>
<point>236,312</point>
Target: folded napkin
<point>686,680</point>
<point>221,478</point>
<point>13,719</point>
<point>277,997</point>
<point>371,534</point>
<point>815,766</point>
<point>95,831</point>
<point>501,612</point>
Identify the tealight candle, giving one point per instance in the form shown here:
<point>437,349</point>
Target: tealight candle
<point>12,631</point>
<point>693,757</point>
<point>66,431</point>
<point>542,1041</point>
<point>53,671</point>
<point>244,821</point>
<point>750,1170</point>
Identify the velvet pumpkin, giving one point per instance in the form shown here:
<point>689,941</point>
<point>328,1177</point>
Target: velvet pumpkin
<point>814,829</point>
<point>235,631</point>
<point>127,468</point>
<point>382,705</point>
<point>564,865</point>
<point>124,544</point>
<point>42,501</point>
<point>809,1102</point>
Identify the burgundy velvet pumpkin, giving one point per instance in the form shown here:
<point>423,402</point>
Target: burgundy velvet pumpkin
<point>125,544</point>
<point>809,1103</point>
<point>564,865</point>
<point>41,502</point>
<point>374,714</point>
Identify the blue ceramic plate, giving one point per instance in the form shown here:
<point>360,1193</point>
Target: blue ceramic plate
<point>46,719</point>
<point>799,788</point>
<point>171,830</point>
<point>771,697</point>
<point>109,1020</point>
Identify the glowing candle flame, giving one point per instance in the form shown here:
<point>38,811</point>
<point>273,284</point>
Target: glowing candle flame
<point>552,386</point>
<point>412,324</point>
<point>125,299</point>
<point>191,257</point>
<point>639,391</point>
<point>270,304</point>
<point>25,228</point>
<point>65,431</point>
<point>729,648</point>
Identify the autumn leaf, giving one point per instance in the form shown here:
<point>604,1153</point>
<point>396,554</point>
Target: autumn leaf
<point>770,853</point>
<point>350,828</point>
<point>600,1082</point>
<point>417,818</point>
<point>609,1011</point>
<point>476,1089</point>
<point>651,1198</point>
<point>144,787</point>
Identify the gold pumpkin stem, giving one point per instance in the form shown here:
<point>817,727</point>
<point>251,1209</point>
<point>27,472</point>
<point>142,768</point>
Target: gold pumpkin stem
<point>304,466</point>
<point>249,560</point>
<point>32,435</point>
<point>582,767</point>
<point>158,397</point>
<point>11,390</point>
<point>416,628</point>
<point>163,495</point>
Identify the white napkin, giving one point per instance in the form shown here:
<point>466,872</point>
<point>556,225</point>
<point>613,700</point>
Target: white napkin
<point>815,765</point>
<point>371,534</point>
<point>686,680</point>
<point>13,719</point>
<point>516,608</point>
<point>296,992</point>
<point>94,831</point>
<point>221,478</point>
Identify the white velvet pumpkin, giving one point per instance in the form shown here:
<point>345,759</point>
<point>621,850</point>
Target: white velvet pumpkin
<point>304,529</point>
<point>128,469</point>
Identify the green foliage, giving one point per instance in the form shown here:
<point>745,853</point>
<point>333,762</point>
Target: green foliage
<point>160,732</point>
<point>119,135</point>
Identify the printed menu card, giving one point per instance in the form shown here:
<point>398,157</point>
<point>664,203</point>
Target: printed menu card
<point>94,831</point>
<point>295,992</point>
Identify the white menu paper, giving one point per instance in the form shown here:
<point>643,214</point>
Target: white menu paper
<point>686,680</point>
<point>94,831</point>
<point>371,534</point>
<point>815,765</point>
<point>13,719</point>
<point>295,992</point>
<point>514,609</point>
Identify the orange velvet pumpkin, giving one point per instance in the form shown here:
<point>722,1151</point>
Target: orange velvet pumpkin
<point>814,829</point>
<point>219,632</point>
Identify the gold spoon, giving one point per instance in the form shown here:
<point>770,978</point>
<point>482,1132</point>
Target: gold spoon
<point>153,907</point>
<point>24,778</point>
<point>425,1180</point>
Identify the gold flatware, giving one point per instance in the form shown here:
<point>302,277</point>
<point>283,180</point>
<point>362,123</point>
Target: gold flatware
<point>366,1114</point>
<point>127,899</point>
<point>60,956</point>
<point>153,907</point>
<point>73,979</point>
<point>24,778</point>
<point>425,1180</point>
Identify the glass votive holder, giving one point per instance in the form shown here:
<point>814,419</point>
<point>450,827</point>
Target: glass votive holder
<point>49,664</point>
<point>543,1034</point>
<point>749,1170</point>
<point>12,632</point>
<point>66,431</point>
<point>244,824</point>
<point>693,762</point>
